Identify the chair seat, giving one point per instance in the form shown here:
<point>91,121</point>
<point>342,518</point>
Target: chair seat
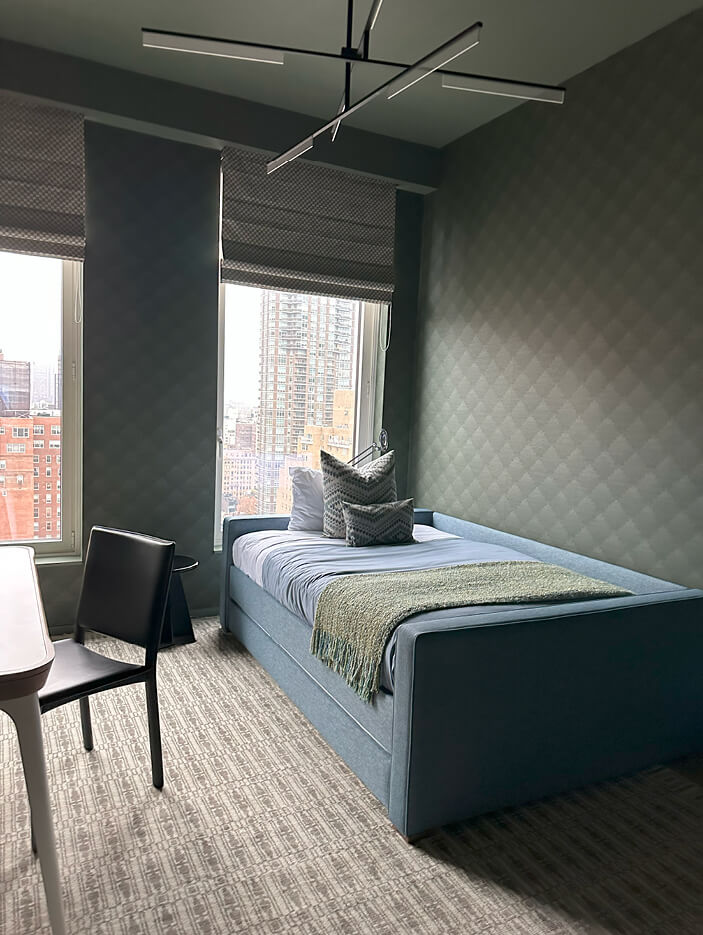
<point>78,671</point>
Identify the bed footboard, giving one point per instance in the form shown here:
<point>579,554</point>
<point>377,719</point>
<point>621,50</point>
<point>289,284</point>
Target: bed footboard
<point>541,701</point>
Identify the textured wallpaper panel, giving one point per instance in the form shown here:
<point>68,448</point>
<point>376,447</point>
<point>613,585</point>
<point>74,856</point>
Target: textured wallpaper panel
<point>150,342</point>
<point>560,366</point>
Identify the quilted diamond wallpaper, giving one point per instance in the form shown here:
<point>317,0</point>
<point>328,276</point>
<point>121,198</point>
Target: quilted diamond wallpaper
<point>560,350</point>
<point>150,352</point>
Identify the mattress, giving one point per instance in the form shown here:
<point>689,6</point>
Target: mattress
<point>295,567</point>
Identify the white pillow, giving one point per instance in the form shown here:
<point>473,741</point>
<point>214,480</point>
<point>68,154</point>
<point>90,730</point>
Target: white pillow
<point>308,507</point>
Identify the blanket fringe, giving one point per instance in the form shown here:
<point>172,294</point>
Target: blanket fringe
<point>358,670</point>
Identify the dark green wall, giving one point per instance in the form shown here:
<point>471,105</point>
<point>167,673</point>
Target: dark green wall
<point>400,357</point>
<point>150,351</point>
<point>560,370</point>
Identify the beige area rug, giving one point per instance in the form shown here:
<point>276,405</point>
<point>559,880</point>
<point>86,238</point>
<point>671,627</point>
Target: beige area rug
<point>262,829</point>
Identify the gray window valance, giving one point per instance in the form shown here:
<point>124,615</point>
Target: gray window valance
<point>42,179</point>
<point>306,228</point>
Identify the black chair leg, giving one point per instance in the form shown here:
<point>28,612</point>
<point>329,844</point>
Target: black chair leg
<point>86,725</point>
<point>152,704</point>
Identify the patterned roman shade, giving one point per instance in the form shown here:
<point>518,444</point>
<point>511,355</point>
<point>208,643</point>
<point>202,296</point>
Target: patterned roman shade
<point>42,187</point>
<point>306,228</point>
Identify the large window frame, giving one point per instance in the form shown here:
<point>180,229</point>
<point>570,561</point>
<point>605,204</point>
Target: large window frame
<point>367,338</point>
<point>68,547</point>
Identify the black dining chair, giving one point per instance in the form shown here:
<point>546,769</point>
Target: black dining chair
<point>124,591</point>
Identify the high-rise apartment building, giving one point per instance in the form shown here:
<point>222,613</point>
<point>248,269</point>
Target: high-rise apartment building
<point>30,477</point>
<point>307,345</point>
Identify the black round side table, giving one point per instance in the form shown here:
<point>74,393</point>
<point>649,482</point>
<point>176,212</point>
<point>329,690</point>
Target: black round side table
<point>178,627</point>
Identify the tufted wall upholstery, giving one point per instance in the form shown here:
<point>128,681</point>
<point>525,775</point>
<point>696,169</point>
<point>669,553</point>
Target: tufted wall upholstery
<point>560,364</point>
<point>150,351</point>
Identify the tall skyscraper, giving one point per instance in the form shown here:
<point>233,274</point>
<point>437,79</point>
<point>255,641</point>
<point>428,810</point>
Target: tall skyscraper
<point>14,385</point>
<point>306,353</point>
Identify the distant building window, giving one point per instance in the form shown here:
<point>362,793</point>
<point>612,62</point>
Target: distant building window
<point>20,480</point>
<point>48,472</point>
<point>16,449</point>
<point>3,465</point>
<point>48,498</point>
<point>20,432</point>
<point>36,512</point>
<point>54,444</point>
<point>48,459</point>
<point>35,458</point>
<point>38,429</point>
<point>55,429</point>
<point>38,444</point>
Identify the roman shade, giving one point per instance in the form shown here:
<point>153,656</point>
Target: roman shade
<point>42,179</point>
<point>306,228</point>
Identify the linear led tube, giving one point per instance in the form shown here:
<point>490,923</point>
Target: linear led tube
<point>221,48</point>
<point>290,155</point>
<point>437,59</point>
<point>373,15</point>
<point>527,92</point>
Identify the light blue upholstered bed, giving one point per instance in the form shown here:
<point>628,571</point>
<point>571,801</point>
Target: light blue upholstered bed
<point>510,704</point>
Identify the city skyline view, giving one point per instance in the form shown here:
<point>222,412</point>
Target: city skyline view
<point>289,375</point>
<point>30,398</point>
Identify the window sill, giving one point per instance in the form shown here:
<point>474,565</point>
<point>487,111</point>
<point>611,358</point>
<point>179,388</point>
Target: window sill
<point>58,559</point>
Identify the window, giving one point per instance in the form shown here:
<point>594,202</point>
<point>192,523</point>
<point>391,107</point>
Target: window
<point>277,409</point>
<point>40,369</point>
<point>3,465</point>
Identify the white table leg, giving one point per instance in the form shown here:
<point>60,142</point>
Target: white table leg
<point>25,713</point>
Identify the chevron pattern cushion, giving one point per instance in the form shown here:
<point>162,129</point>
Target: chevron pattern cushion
<point>372,483</point>
<point>379,523</point>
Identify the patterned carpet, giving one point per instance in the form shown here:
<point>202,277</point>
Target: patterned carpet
<point>262,829</point>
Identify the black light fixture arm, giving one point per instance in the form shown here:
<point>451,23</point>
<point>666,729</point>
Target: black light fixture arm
<point>356,58</point>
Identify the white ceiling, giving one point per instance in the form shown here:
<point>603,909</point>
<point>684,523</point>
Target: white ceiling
<point>542,41</point>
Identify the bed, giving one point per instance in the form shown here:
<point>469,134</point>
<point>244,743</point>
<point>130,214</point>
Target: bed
<point>480,707</point>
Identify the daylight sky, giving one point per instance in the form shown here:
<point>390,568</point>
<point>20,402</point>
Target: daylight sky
<point>242,316</point>
<point>30,308</point>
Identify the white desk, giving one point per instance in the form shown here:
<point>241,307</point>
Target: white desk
<point>26,655</point>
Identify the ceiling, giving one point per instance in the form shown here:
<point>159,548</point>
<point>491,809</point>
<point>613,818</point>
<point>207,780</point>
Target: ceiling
<point>544,41</point>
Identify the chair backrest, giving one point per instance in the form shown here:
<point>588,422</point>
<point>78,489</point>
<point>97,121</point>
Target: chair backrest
<point>125,586</point>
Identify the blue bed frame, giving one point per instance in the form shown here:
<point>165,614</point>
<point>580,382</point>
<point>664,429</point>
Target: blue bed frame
<point>522,703</point>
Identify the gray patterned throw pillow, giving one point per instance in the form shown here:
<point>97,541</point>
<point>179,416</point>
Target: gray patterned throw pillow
<point>372,483</point>
<point>379,523</point>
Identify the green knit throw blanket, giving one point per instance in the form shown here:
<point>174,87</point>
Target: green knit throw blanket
<point>356,614</point>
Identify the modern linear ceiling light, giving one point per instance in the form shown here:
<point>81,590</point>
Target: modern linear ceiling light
<point>408,75</point>
<point>502,88</point>
<point>199,45</point>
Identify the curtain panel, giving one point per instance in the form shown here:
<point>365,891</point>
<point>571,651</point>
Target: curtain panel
<point>42,179</point>
<point>306,228</point>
